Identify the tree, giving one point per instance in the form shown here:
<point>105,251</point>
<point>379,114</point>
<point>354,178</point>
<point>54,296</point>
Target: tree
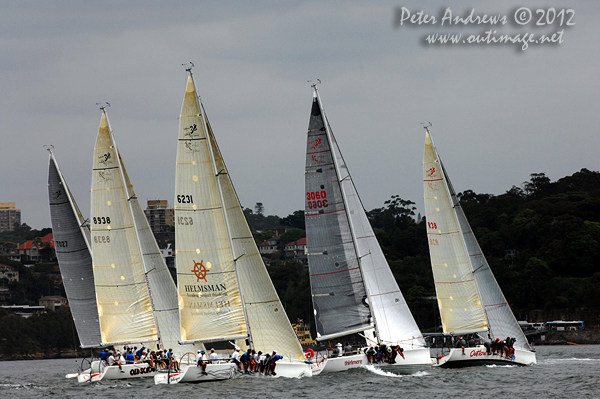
<point>537,185</point>
<point>296,220</point>
<point>259,209</point>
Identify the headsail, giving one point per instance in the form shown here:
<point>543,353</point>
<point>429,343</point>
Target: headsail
<point>124,304</point>
<point>501,320</point>
<point>459,301</point>
<point>72,246</point>
<point>338,291</point>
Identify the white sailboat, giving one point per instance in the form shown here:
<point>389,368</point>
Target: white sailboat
<point>136,295</point>
<point>225,293</point>
<point>72,247</point>
<point>469,298</point>
<point>353,288</point>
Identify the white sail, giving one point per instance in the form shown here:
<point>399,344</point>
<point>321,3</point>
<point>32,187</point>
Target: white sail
<point>124,305</point>
<point>327,173</point>
<point>210,303</point>
<point>459,301</point>
<point>72,246</point>
<point>225,243</point>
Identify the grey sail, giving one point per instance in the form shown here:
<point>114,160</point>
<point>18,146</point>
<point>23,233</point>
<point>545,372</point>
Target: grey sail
<point>71,242</point>
<point>338,290</point>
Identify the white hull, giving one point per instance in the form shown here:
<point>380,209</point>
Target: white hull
<point>193,373</point>
<point>290,369</point>
<point>478,357</point>
<point>98,372</point>
<point>418,358</point>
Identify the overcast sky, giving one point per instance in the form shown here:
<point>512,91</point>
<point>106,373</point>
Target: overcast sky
<point>499,113</point>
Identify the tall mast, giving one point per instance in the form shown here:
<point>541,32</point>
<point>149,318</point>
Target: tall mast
<point>337,172</point>
<point>217,173</point>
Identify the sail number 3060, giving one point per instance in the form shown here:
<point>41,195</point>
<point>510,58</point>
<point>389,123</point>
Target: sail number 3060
<point>316,199</point>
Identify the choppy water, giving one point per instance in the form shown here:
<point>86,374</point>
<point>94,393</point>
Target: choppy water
<point>562,371</point>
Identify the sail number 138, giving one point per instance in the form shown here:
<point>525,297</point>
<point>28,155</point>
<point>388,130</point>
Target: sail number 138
<point>316,199</point>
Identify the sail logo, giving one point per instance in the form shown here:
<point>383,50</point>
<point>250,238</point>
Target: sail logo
<point>315,143</point>
<point>57,194</point>
<point>104,159</point>
<point>189,131</point>
<point>193,147</point>
<point>199,270</point>
<point>320,159</point>
<point>106,176</point>
<point>430,172</point>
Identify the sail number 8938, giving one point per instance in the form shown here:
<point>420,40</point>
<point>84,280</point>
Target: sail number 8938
<point>316,199</point>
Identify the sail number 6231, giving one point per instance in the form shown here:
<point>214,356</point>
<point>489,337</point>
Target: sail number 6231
<point>185,199</point>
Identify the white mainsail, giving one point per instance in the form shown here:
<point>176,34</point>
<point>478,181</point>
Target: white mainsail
<point>72,246</point>
<point>459,302</point>
<point>124,304</point>
<point>216,253</point>
<point>339,210</point>
<point>489,304</point>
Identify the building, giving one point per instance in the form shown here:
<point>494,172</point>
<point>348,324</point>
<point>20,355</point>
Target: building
<point>10,217</point>
<point>159,215</point>
<point>52,302</point>
<point>9,273</point>
<point>38,251</point>
<point>296,250</point>
<point>269,246</point>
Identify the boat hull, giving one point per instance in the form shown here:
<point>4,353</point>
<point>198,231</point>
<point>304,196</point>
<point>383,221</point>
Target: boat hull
<point>415,359</point>
<point>193,374</point>
<point>478,357</point>
<point>290,369</point>
<point>98,372</point>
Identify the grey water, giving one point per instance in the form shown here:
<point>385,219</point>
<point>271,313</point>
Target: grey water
<point>562,371</point>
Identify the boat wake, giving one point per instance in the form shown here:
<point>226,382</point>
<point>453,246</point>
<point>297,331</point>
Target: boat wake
<point>378,371</point>
<point>572,359</point>
<point>495,365</point>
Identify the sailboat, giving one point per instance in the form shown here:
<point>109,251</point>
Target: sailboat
<point>469,298</point>
<point>136,296</point>
<point>72,246</point>
<point>353,289</point>
<point>225,293</point>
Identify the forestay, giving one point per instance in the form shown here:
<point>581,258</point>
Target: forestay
<point>459,301</point>
<point>71,243</point>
